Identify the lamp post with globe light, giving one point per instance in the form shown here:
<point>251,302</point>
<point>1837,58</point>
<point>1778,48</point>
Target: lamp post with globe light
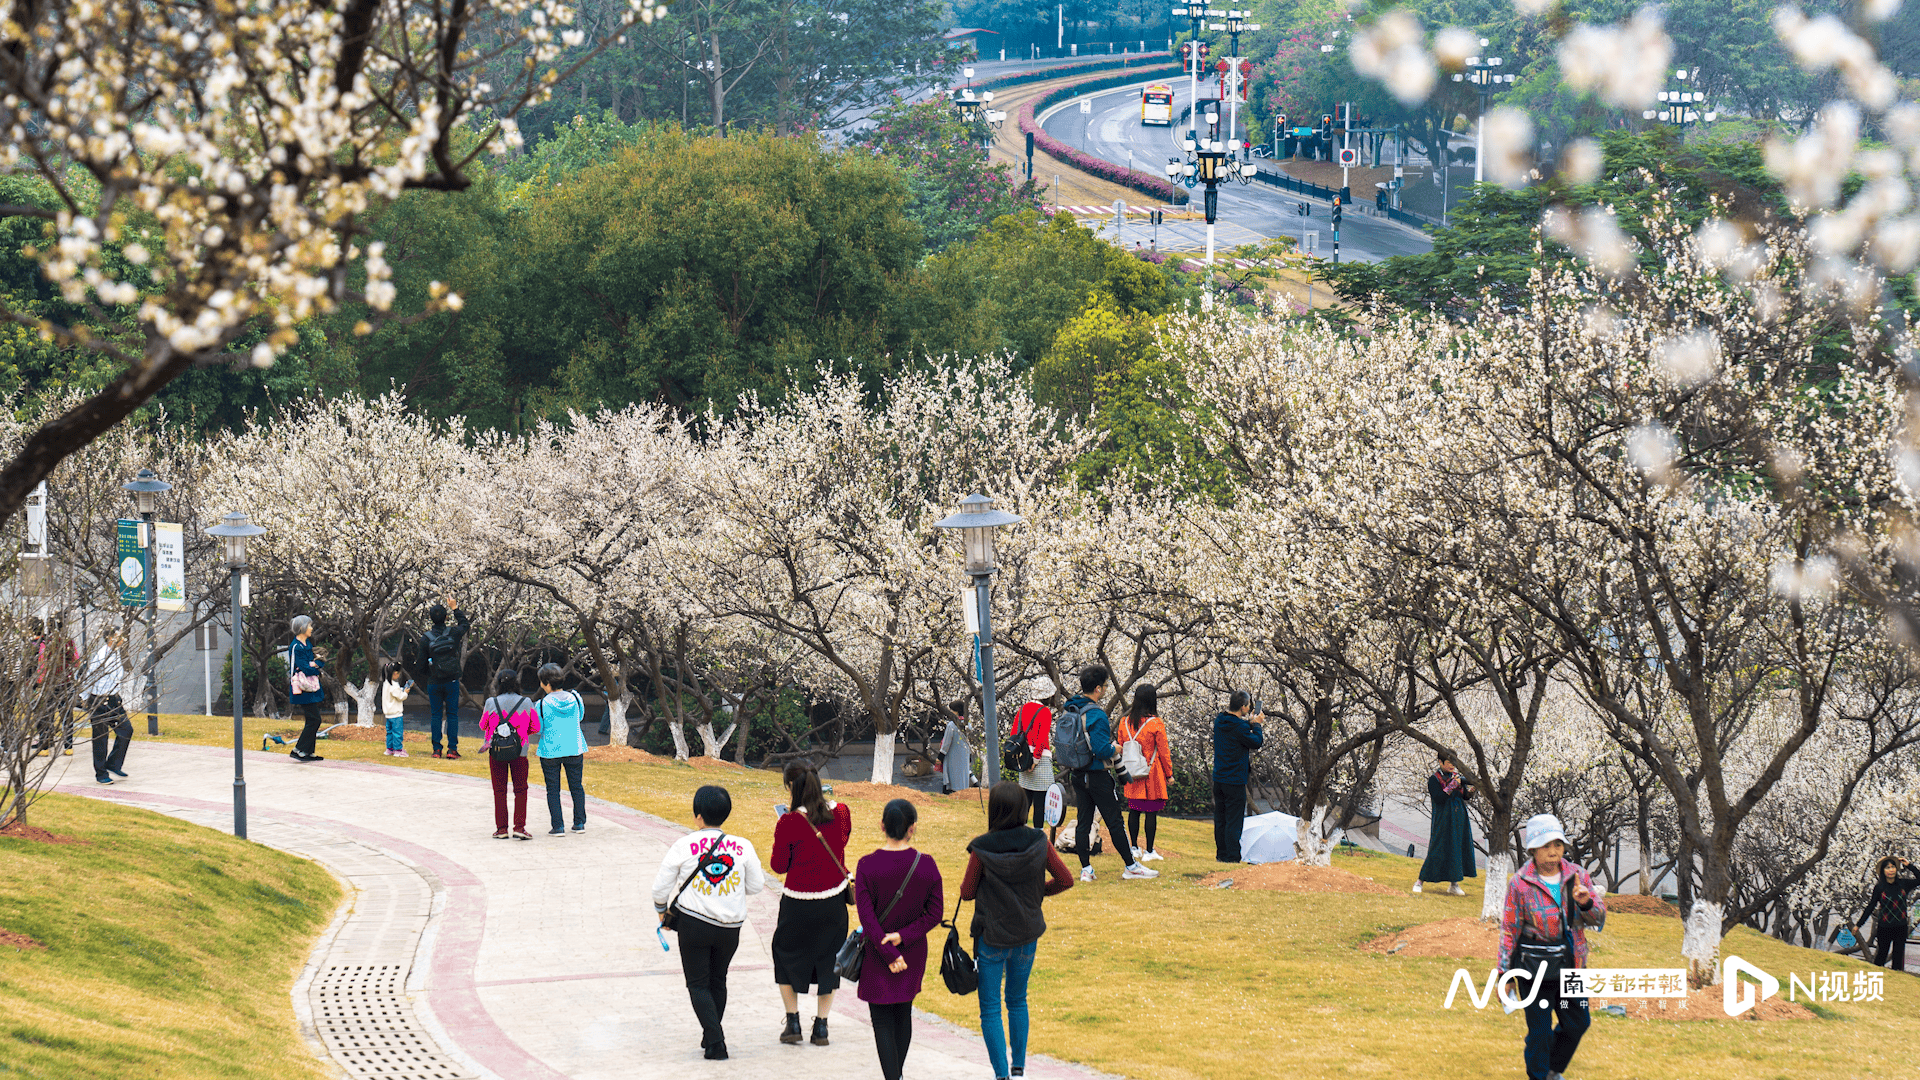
<point>1208,164</point>
<point>1687,105</point>
<point>977,521</point>
<point>1485,75</point>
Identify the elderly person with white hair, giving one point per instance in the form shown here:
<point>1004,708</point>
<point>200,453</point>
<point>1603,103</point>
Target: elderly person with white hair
<point>303,675</point>
<point>1033,727</point>
<point>1550,904</point>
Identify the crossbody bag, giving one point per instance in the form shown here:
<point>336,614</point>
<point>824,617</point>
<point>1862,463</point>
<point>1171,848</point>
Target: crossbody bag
<point>848,891</point>
<point>672,921</point>
<point>853,951</point>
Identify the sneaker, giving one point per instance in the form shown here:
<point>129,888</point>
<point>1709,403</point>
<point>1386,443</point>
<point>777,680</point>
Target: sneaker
<point>556,832</point>
<point>522,834</point>
<point>438,754</point>
<point>501,835</point>
<point>103,779</point>
<point>44,753</point>
<point>1136,872</point>
<point>68,752</point>
<point>1086,873</point>
<point>1416,887</point>
<point>401,753</point>
<point>581,827</point>
<point>453,755</point>
<point>117,772</point>
<point>1455,890</point>
<point>1151,856</point>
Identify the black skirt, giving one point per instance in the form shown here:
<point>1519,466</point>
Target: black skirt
<point>805,940</point>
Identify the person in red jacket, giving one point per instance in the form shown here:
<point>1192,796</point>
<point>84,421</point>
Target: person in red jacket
<point>1034,723</point>
<point>810,848</point>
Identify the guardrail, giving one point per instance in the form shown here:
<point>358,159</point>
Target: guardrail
<point>1297,186</point>
<point>1019,78</point>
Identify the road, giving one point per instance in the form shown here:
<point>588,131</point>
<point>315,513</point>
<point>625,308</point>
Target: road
<point>1113,131</point>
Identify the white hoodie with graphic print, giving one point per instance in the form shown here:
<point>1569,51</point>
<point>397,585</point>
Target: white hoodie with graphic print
<point>724,875</point>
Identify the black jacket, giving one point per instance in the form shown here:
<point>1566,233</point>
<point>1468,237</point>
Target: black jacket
<point>1013,882</point>
<point>1233,736</point>
<point>1888,903</point>
<point>443,637</point>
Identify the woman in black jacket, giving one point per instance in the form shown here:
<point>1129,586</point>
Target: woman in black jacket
<point>1894,882</point>
<point>1008,868</point>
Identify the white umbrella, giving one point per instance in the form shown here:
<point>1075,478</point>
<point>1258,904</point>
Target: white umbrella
<point>1269,837</point>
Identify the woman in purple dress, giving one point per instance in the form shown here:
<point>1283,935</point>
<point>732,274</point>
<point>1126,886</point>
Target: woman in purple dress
<point>897,891</point>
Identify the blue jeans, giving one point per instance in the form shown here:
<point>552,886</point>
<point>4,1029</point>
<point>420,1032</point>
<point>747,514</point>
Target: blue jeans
<point>395,732</point>
<point>444,696</point>
<point>1012,966</point>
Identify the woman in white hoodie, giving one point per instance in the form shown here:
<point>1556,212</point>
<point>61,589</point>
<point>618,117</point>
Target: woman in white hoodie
<point>708,875</point>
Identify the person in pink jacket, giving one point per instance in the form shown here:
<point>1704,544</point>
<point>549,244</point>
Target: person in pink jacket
<point>1550,904</point>
<point>509,720</point>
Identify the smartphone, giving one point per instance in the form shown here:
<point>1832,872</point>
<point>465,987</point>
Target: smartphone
<point>779,808</point>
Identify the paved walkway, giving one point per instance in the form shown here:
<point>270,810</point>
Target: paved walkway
<point>459,956</point>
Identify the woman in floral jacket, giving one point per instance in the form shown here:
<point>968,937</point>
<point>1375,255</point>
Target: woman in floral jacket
<point>1550,903</point>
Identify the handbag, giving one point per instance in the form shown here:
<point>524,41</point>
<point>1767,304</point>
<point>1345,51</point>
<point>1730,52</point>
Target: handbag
<point>853,951</point>
<point>672,921</point>
<point>301,683</point>
<point>848,891</point>
<point>957,969</point>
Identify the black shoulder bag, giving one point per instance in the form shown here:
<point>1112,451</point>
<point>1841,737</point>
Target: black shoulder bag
<point>672,921</point>
<point>853,951</point>
<point>961,974</point>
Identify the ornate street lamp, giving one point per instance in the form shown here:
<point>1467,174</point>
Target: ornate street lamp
<point>1485,76</point>
<point>146,489</point>
<point>234,531</point>
<point>1683,106</point>
<point>1208,163</point>
<point>977,521</point>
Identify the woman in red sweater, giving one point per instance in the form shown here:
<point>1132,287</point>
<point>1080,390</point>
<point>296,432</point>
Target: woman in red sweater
<point>810,848</point>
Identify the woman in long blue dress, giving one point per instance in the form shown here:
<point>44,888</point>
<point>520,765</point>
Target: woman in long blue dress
<point>1450,844</point>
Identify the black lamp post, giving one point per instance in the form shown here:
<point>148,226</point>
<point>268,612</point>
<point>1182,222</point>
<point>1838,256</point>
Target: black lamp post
<point>146,488</point>
<point>235,530</point>
<point>1484,74</point>
<point>1208,164</point>
<point>974,111</point>
<point>977,521</point>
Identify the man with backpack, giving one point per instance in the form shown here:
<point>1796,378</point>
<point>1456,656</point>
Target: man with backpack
<point>440,654</point>
<point>1083,743</point>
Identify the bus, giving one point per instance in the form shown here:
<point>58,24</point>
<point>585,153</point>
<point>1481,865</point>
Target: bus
<point>1156,105</point>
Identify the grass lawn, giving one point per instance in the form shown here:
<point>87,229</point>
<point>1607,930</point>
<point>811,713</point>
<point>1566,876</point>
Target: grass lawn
<point>1165,979</point>
<point>169,949</point>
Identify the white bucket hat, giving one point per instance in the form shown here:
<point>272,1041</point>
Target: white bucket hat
<point>1541,828</point>
<point>1040,688</point>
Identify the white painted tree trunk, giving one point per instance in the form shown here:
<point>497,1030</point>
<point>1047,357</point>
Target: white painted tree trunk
<point>713,746</point>
<point>617,719</point>
<point>1700,944</point>
<point>882,758</point>
<point>680,752</point>
<point>1311,848</point>
<point>364,695</point>
<point>1646,871</point>
<point>1499,870</point>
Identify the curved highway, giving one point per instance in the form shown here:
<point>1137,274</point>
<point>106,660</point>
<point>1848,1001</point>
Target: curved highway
<point>1113,131</point>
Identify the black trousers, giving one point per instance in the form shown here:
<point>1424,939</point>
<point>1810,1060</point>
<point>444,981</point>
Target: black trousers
<point>1890,942</point>
<point>705,952</point>
<point>1229,817</point>
<point>309,731</point>
<point>110,722</point>
<point>573,766</point>
<point>1550,1046</point>
<point>1133,827</point>
<point>1093,790</point>
<point>1038,801</point>
<point>892,1035</point>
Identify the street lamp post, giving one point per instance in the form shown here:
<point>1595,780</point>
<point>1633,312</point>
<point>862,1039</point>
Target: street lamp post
<point>1683,106</point>
<point>977,520</point>
<point>1235,25</point>
<point>1208,164</point>
<point>1484,74</point>
<point>146,489</point>
<point>974,112</point>
<point>234,531</point>
<point>1195,11</point>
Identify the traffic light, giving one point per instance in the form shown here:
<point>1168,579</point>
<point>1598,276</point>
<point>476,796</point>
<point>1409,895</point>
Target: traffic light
<point>1326,125</point>
<point>1336,213</point>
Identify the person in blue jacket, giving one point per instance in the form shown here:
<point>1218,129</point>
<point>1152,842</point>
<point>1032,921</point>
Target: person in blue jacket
<point>562,749</point>
<point>1233,737</point>
<point>1093,786</point>
<point>302,663</point>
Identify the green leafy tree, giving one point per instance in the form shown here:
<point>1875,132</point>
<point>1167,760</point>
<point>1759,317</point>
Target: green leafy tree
<point>954,191</point>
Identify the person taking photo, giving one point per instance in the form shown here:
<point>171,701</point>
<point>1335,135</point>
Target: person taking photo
<point>1894,881</point>
<point>1234,738</point>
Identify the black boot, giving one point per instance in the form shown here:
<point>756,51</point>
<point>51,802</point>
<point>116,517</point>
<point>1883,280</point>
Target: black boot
<point>819,1031</point>
<point>791,1034</point>
<point>717,1052</point>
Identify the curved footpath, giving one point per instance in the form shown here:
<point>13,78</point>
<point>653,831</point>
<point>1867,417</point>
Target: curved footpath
<point>455,955</point>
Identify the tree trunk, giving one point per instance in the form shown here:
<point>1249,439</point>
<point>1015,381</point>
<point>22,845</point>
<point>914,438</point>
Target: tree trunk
<point>1700,943</point>
<point>1645,839</point>
<point>617,717</point>
<point>744,726</point>
<point>1311,847</point>
<point>882,757</point>
<point>679,734</point>
<point>1500,868</point>
<point>712,745</point>
<point>717,87</point>
<point>364,696</point>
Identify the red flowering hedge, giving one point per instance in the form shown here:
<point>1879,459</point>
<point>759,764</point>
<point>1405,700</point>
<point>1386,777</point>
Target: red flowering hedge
<point>1042,74</point>
<point>1132,179</point>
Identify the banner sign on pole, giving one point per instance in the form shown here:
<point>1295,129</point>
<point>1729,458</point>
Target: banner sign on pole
<point>133,562</point>
<point>170,565</point>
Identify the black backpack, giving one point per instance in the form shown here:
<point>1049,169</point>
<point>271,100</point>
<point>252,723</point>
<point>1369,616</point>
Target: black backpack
<point>443,654</point>
<point>504,742</point>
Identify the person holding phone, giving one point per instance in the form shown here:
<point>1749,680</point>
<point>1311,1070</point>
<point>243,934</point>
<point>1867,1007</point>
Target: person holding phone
<point>1450,841</point>
<point>1234,737</point>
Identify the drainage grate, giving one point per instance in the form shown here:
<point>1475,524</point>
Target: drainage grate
<point>362,1013</point>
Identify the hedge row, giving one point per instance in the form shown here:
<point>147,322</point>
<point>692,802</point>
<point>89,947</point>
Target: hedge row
<point>1132,179</point>
<point>1019,78</point>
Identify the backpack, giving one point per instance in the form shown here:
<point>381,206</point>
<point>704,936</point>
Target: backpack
<point>505,744</point>
<point>443,654</point>
<point>1133,760</point>
<point>1070,746</point>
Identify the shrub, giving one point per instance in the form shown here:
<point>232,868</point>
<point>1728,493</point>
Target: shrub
<point>1133,179</point>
